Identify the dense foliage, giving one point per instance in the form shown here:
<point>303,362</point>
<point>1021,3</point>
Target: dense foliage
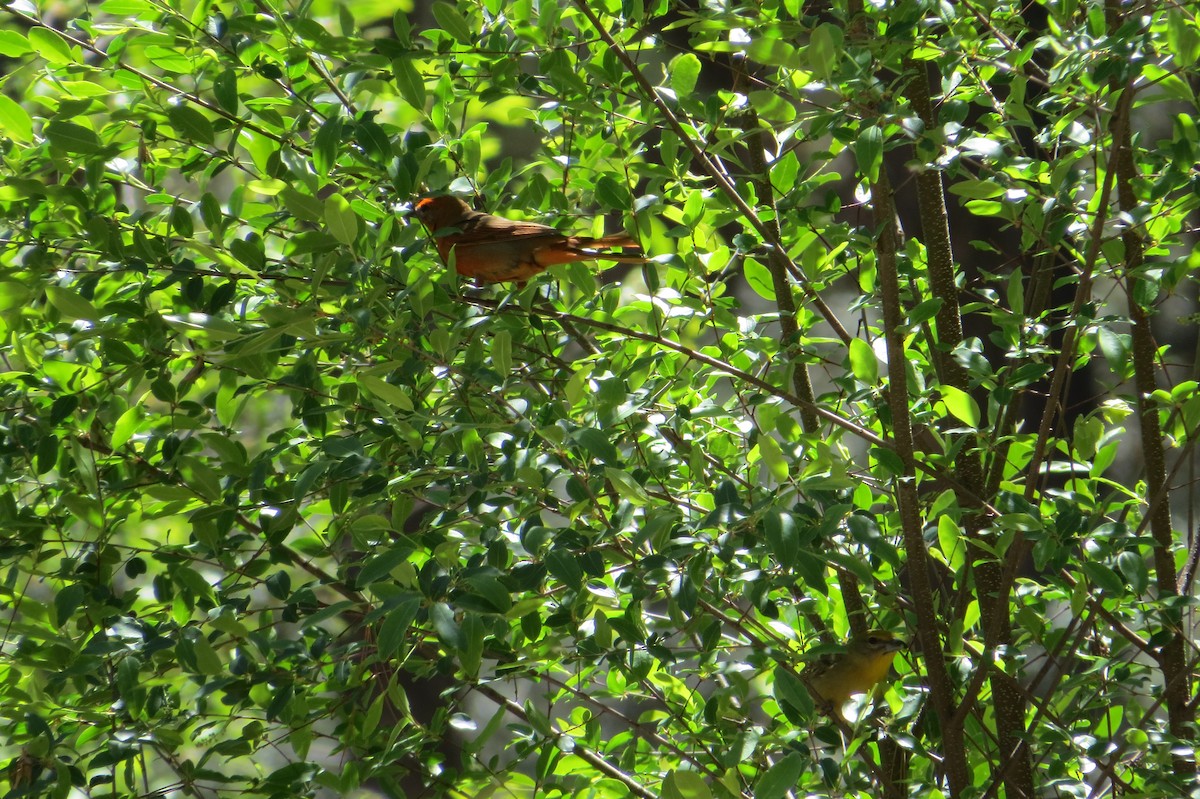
<point>286,509</point>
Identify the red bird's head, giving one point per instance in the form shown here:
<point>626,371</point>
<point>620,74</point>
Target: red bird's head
<point>440,212</point>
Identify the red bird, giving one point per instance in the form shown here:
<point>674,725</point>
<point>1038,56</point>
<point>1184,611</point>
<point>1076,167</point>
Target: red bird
<point>492,249</point>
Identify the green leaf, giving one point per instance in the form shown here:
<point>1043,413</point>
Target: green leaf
<point>214,327</point>
<point>181,222</point>
<point>129,681</point>
<point>1115,347</point>
<point>82,88</point>
<point>71,305</point>
<point>266,187</point>
<point>308,243</point>
<point>225,89</point>
<point>502,352</point>
<point>392,395</point>
<point>783,536</point>
<point>199,477</point>
<point>126,425</point>
<point>630,490</point>
<point>784,172</point>
<point>452,22</point>
<point>127,8</point>
<point>340,219</point>
<point>865,530</point>
<point>72,138</point>
<point>769,105</point>
<point>977,189</point>
<point>471,652</point>
<point>824,50</point>
<point>326,145</point>
<point>1135,571</point>
<point>613,195</point>
<point>986,148</point>
<point>409,82</point>
<point>395,625</point>
<point>772,50</point>
<point>190,581</point>
<point>1086,435</point>
<point>851,563</point>
<point>191,124</point>
<point>13,294</point>
<point>492,595</point>
<point>15,121</point>
<point>66,602</point>
<point>207,660</point>
<point>1104,578</point>
<point>380,566</point>
<point>790,692</point>
<point>684,70</point>
<point>373,140</point>
<point>868,152</point>
<point>1183,37</point>
<point>925,311</point>
<point>597,445</point>
<point>565,568</point>
<point>780,778</point>
<point>1016,292</point>
<point>302,206</point>
<point>812,571</point>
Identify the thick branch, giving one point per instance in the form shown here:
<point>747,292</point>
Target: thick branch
<point>777,264</point>
<point>1172,659</point>
<point>941,694</point>
<point>1008,698</point>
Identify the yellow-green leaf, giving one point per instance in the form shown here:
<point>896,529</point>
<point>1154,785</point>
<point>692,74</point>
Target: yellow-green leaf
<point>863,362</point>
<point>13,44</point>
<point>51,46</point>
<point>759,278</point>
<point>685,69</point>
<point>950,542</point>
<point>961,404</point>
<point>15,120</point>
<point>772,457</point>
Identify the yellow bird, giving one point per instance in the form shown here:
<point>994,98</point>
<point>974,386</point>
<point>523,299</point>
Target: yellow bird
<point>833,678</point>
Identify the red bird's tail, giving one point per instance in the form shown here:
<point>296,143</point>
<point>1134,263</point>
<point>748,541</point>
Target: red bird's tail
<point>586,247</point>
<point>615,240</point>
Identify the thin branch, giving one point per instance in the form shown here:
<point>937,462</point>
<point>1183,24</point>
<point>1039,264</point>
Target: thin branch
<point>712,168</point>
